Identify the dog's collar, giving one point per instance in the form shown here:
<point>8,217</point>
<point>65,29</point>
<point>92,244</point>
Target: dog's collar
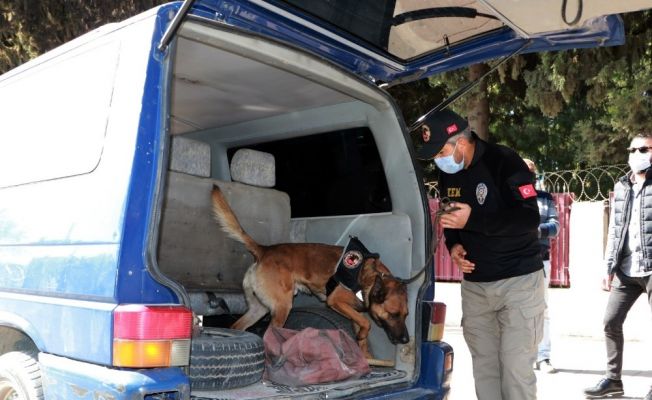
<point>349,266</point>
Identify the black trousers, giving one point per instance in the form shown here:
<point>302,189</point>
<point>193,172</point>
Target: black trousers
<point>624,293</point>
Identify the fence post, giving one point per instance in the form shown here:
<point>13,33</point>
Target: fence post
<point>559,246</point>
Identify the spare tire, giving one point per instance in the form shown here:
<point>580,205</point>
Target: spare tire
<point>225,359</point>
<point>318,318</point>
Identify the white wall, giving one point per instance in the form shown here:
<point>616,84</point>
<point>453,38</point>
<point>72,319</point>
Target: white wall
<point>581,309</point>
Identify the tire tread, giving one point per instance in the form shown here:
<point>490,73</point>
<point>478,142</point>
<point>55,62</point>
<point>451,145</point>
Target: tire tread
<point>225,359</point>
<point>23,367</point>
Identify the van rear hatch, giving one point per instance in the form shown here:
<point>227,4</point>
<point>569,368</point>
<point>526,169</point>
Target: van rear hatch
<point>392,41</point>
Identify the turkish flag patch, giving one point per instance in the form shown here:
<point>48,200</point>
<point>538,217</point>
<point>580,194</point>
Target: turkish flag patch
<point>527,191</point>
<point>451,129</point>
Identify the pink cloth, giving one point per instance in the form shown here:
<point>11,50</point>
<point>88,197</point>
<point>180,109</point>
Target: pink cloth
<point>311,356</point>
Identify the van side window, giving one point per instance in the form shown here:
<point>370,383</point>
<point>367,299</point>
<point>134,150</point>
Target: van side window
<point>334,173</point>
<point>59,131</point>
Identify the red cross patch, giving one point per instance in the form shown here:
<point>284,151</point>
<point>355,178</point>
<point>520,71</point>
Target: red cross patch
<point>527,191</point>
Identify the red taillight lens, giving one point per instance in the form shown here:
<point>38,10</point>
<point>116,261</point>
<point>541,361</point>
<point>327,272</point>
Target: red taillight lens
<point>437,322</point>
<point>151,336</point>
<point>137,321</point>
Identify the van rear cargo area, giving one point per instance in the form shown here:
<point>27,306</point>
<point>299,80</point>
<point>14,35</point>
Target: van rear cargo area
<point>339,166</point>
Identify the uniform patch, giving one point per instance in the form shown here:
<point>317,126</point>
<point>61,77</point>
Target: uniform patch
<point>481,193</point>
<point>349,266</point>
<point>454,192</point>
<point>352,259</point>
<point>451,129</point>
<point>527,191</point>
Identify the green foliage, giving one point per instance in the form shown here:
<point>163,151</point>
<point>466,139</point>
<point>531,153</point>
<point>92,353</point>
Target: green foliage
<point>30,27</point>
<point>599,91</point>
<point>417,98</point>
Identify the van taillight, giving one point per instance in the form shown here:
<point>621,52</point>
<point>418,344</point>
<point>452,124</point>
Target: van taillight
<point>437,322</point>
<point>151,336</point>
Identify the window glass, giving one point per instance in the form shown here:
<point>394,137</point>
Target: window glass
<point>54,116</point>
<point>405,29</point>
<point>335,173</point>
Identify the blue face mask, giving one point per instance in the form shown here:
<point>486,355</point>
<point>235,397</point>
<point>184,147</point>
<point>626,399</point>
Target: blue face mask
<point>448,163</point>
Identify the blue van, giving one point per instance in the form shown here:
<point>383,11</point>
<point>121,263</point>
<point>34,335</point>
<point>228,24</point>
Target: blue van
<point>115,281</point>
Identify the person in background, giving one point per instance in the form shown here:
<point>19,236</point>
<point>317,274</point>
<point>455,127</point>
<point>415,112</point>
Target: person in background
<point>492,238</point>
<point>628,259</point>
<point>548,228</point>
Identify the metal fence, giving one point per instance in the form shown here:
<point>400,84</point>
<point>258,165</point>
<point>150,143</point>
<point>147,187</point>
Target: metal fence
<point>590,184</point>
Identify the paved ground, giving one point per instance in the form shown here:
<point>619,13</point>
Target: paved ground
<point>578,350</point>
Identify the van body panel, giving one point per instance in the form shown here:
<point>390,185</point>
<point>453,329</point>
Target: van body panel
<point>135,283</point>
<point>67,246</point>
<point>61,270</point>
<point>91,341</point>
<point>98,208</point>
<point>69,379</point>
<point>433,368</point>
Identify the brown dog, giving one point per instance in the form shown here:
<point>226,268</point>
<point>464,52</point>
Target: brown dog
<point>280,271</point>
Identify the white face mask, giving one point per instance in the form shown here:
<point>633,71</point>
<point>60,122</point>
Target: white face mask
<point>448,164</point>
<point>639,162</point>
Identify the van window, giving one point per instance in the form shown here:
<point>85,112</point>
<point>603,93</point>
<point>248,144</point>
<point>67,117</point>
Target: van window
<point>54,116</point>
<point>334,173</point>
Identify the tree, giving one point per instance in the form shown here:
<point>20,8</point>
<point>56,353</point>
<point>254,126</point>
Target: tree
<point>30,27</point>
<point>478,106</point>
<point>600,90</point>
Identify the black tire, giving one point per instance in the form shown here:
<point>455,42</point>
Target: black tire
<point>20,376</point>
<point>225,359</point>
<point>318,318</point>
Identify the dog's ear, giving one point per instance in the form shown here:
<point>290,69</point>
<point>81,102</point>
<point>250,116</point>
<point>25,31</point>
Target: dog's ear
<point>378,292</point>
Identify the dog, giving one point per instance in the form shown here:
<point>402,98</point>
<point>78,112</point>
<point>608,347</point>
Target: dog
<point>280,271</point>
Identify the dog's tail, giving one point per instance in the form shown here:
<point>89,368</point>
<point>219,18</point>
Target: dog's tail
<point>224,215</point>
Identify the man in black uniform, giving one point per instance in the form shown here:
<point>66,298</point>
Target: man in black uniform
<point>493,240</point>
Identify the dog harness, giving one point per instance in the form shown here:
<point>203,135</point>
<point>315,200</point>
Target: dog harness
<point>349,266</point>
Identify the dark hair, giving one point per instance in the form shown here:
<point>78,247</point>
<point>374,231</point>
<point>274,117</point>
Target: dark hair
<point>643,135</point>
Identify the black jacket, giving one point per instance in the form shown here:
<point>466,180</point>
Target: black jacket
<point>500,236</point>
<point>619,222</point>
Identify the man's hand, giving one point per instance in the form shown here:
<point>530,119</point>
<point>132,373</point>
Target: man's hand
<point>458,255</point>
<point>606,282</point>
<point>456,219</point>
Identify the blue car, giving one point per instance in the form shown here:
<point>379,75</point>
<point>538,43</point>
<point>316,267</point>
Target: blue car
<point>115,280</point>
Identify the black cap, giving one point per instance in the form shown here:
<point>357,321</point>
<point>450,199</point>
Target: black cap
<point>441,125</point>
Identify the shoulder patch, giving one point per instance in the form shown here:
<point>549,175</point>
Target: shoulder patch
<point>527,191</point>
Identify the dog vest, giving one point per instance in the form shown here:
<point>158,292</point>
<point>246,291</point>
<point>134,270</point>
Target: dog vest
<point>349,266</point>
